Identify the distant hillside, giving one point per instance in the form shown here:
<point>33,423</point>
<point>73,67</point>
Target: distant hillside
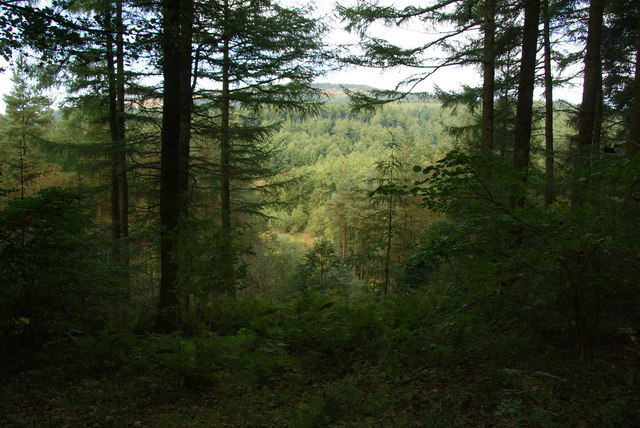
<point>337,89</point>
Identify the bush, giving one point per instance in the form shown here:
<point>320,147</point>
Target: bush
<point>53,276</point>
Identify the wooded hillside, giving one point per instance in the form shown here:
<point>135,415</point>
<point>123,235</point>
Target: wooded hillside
<point>201,235</point>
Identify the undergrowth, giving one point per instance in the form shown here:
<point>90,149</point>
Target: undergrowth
<point>316,362</point>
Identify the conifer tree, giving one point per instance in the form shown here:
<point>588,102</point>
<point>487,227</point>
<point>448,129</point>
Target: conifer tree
<point>590,90</point>
<point>488,73</point>
<point>264,57</point>
<point>524,108</point>
<point>635,109</point>
<point>548,108</point>
<point>177,57</point>
<point>27,116</point>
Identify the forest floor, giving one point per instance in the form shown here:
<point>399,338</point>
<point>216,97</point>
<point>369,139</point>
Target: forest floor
<point>330,367</point>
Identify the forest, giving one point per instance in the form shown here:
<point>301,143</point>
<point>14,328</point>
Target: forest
<point>197,233</point>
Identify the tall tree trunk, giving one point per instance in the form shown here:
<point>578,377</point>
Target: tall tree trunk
<point>123,182</point>
<point>488,72</point>
<point>225,167</point>
<point>548,109</point>
<point>597,120</point>
<point>23,164</point>
<point>634,132</point>
<point>176,123</point>
<point>225,144</point>
<point>116,94</point>
<point>116,235</point>
<point>586,119</point>
<point>524,107</point>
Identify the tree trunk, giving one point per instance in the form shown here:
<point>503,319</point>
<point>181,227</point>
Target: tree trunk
<point>114,135</point>
<point>176,123</point>
<point>225,167</point>
<point>597,120</point>
<point>586,119</point>
<point>116,93</point>
<point>488,71</point>
<point>634,132</point>
<point>225,144</point>
<point>548,110</point>
<point>524,107</point>
<point>123,182</point>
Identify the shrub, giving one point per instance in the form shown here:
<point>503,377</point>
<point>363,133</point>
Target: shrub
<point>53,276</point>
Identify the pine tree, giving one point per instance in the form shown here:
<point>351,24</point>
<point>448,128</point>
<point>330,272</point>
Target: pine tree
<point>634,134</point>
<point>590,90</point>
<point>177,57</point>
<point>524,108</point>
<point>27,116</point>
<point>548,107</point>
<point>263,57</point>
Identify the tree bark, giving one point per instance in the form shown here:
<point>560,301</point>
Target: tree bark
<point>586,119</point>
<point>116,94</point>
<point>225,164</point>
<point>123,182</point>
<point>488,71</point>
<point>176,124</point>
<point>549,155</point>
<point>597,120</point>
<point>634,132</point>
<point>225,143</point>
<point>524,106</point>
<point>114,135</point>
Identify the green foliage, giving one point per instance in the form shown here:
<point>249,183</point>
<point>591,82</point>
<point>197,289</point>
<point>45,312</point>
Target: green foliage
<point>424,263</point>
<point>211,259</point>
<point>52,271</point>
<point>318,361</point>
<point>27,117</point>
<point>322,271</point>
<point>272,260</point>
<point>565,272</point>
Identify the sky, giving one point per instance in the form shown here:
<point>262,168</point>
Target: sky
<point>448,79</point>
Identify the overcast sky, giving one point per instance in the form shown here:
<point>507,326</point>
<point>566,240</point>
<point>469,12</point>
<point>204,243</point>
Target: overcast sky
<point>448,79</point>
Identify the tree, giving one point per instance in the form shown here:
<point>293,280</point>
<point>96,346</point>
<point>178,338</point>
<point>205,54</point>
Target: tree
<point>619,63</point>
<point>39,27</point>
<point>524,108</point>
<point>27,116</point>
<point>116,90</point>
<point>379,53</point>
<point>53,281</point>
<point>635,111</point>
<point>92,70</point>
<point>488,73</point>
<point>548,106</point>
<point>590,90</point>
<point>263,56</point>
<point>389,196</point>
<point>322,270</point>
<point>177,33</point>
<point>392,205</point>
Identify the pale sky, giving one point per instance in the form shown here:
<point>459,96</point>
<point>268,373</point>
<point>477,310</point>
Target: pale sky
<point>448,79</point>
